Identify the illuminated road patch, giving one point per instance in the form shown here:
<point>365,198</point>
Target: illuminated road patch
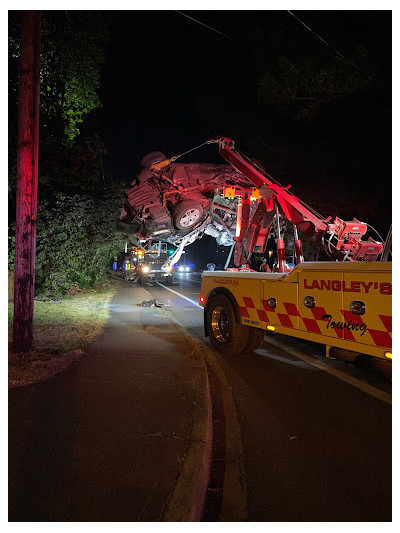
<point>180,295</point>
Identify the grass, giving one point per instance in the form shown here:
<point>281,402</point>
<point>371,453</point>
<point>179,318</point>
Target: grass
<point>61,331</point>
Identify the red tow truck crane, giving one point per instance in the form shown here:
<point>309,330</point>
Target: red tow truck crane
<point>341,240</point>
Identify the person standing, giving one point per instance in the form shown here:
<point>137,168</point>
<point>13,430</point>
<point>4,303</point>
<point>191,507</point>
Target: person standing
<point>264,266</point>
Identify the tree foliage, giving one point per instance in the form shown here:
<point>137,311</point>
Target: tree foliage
<point>76,230</point>
<point>299,85</point>
<point>72,54</point>
<point>76,240</point>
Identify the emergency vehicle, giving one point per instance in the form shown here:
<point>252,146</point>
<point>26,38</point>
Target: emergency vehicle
<point>345,304</point>
<point>153,265</point>
<point>342,305</point>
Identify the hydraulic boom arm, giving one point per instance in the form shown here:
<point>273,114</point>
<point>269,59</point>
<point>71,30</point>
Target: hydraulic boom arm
<point>340,239</point>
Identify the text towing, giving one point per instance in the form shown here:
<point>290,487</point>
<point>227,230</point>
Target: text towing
<point>342,305</point>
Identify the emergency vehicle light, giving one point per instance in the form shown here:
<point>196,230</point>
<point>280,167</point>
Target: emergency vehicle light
<point>255,194</point>
<point>229,192</point>
<point>388,355</point>
<point>201,299</point>
<point>271,328</point>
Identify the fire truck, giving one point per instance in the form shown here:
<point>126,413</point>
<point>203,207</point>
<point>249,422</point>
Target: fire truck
<point>344,304</point>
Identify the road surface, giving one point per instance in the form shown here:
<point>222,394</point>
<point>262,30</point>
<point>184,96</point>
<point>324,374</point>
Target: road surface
<point>314,434</point>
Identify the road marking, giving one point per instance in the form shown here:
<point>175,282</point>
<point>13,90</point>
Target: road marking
<point>181,295</point>
<point>355,382</point>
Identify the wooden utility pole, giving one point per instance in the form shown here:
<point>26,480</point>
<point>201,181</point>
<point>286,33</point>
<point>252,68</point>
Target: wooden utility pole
<point>27,180</point>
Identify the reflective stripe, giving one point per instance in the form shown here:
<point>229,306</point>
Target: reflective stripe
<point>381,338</point>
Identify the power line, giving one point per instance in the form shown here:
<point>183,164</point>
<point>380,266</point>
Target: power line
<point>205,25</point>
<point>316,34</point>
<point>236,41</point>
<point>328,45</point>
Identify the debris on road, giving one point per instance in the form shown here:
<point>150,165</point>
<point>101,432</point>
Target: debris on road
<point>150,303</point>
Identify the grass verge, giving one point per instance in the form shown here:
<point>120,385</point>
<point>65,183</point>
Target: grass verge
<point>61,331</point>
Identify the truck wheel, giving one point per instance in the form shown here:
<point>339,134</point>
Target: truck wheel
<point>187,214</point>
<point>226,334</point>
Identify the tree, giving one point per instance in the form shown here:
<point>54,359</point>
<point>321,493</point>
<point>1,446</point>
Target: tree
<point>77,238</point>
<point>71,59</point>
<point>73,54</point>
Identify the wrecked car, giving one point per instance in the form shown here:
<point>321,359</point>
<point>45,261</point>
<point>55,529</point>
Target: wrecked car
<point>181,201</point>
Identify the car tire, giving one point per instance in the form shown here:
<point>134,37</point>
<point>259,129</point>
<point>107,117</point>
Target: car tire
<point>187,214</point>
<point>151,158</point>
<point>227,335</point>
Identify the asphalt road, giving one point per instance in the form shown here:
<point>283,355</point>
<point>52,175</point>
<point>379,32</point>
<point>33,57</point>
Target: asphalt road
<point>315,433</point>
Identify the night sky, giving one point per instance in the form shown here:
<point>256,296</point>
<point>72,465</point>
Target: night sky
<point>158,63</point>
<point>170,83</point>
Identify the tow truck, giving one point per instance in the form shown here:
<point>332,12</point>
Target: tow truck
<point>344,303</point>
<point>152,265</point>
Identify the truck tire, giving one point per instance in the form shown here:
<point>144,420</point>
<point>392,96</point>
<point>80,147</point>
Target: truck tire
<point>226,334</point>
<point>187,214</point>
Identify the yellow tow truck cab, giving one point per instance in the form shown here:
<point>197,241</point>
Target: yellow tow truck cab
<point>342,305</point>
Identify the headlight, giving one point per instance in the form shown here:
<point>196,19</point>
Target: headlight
<point>145,268</point>
<point>187,269</point>
<point>180,269</point>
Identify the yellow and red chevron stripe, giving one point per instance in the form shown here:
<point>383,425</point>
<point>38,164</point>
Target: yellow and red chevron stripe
<point>317,324</point>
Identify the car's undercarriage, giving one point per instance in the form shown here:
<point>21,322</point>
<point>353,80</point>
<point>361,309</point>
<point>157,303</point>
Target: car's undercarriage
<point>182,201</point>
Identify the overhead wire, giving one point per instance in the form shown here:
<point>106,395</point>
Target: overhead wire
<point>240,43</point>
<point>337,52</point>
<point>205,25</point>
<point>328,45</point>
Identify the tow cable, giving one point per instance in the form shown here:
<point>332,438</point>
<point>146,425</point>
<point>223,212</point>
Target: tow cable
<point>162,164</point>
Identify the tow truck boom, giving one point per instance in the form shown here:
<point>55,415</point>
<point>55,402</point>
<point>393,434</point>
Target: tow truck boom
<point>340,239</point>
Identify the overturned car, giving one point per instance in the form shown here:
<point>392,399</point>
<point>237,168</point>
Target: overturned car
<point>181,201</point>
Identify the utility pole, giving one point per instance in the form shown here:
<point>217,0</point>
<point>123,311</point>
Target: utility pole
<point>27,180</point>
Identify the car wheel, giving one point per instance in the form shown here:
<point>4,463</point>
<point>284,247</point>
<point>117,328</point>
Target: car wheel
<point>151,158</point>
<point>226,334</point>
<point>187,214</point>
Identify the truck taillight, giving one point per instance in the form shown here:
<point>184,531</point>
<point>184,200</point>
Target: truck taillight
<point>201,299</point>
